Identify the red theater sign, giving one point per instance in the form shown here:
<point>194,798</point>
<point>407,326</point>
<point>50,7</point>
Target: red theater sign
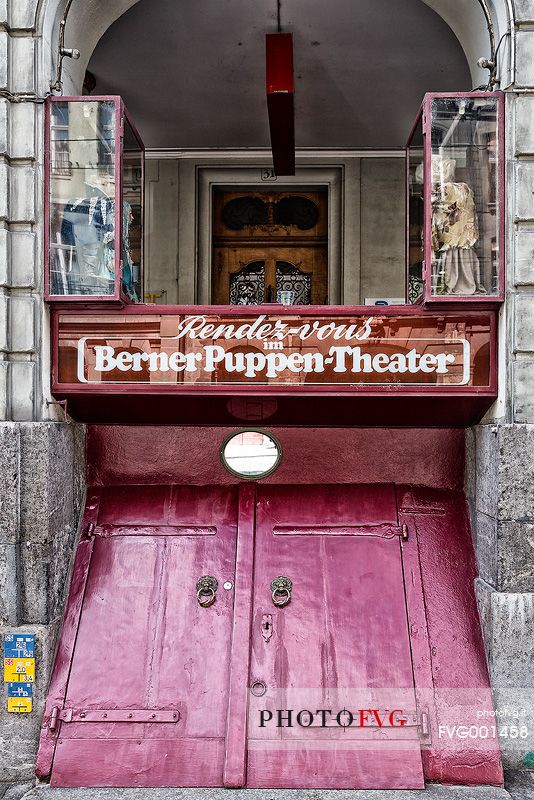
<point>278,352</point>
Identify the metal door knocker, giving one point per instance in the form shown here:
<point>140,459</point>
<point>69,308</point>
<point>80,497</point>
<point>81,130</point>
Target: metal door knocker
<point>281,591</point>
<point>206,590</point>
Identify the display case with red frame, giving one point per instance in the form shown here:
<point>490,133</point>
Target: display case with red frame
<point>455,199</point>
<point>94,201</point>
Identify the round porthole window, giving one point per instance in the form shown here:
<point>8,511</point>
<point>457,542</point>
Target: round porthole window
<point>251,454</point>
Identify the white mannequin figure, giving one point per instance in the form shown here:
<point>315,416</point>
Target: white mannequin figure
<point>455,264</point>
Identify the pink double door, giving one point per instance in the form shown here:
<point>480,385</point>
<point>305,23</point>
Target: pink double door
<point>251,635</point>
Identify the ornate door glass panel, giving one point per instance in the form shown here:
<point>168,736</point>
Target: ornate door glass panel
<point>291,279</point>
<point>247,287</point>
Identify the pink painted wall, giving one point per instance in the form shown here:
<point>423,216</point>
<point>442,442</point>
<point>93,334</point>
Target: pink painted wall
<point>427,466</point>
<point>172,454</point>
<point>459,675</point>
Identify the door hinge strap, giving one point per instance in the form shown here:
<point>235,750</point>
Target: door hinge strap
<point>54,719</point>
<point>384,530</point>
<point>118,715</point>
<point>93,530</point>
<point>89,531</point>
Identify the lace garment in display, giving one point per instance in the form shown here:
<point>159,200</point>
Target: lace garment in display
<point>455,233</point>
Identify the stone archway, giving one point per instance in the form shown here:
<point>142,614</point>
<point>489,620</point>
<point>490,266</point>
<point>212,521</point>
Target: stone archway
<point>88,21</point>
<point>467,21</point>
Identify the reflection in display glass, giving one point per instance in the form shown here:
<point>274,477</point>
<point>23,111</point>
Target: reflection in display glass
<point>82,198</point>
<point>86,211</point>
<point>415,215</point>
<point>132,182</point>
<point>251,454</point>
<point>465,242</point>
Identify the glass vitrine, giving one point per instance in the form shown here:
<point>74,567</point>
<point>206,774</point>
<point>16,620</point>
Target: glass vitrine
<point>455,185</point>
<point>95,168</point>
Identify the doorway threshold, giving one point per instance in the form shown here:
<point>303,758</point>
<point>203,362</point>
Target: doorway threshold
<point>431,792</point>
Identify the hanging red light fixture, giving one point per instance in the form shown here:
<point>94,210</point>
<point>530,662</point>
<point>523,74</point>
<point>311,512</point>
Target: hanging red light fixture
<point>280,101</point>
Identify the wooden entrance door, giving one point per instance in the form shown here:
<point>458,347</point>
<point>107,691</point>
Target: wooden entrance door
<point>339,647</point>
<point>268,242</point>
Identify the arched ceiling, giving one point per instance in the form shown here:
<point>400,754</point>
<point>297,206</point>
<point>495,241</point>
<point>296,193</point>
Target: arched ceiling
<point>192,72</point>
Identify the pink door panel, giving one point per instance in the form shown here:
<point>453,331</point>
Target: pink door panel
<point>144,644</point>
<point>341,643</point>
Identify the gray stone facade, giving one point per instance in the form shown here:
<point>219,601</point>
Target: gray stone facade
<point>42,456</point>
<point>501,495</point>
<point>500,478</point>
<point>42,467</point>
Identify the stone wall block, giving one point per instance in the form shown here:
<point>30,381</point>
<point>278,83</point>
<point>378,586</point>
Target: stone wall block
<point>9,483</point>
<point>486,547</point>
<point>4,258</point>
<point>22,194</point>
<point>22,324</point>
<point>503,511</point>
<point>524,58</point>
<point>35,594</point>
<point>516,473</point>
<point>9,584</point>
<point>4,343</point>
<point>523,10</point>
<point>4,126</point>
<point>508,628</point>
<point>4,190</point>
<point>524,125</point>
<point>62,549</point>
<point>22,14</point>
<point>4,59</point>
<point>523,390</point>
<point>515,550</point>
<point>23,255</point>
<point>52,472</point>
<point>22,65</point>
<point>20,732</point>
<point>524,323</point>
<point>470,464</point>
<point>483,593</point>
<point>524,255</point>
<point>79,460</point>
<point>22,131</point>
<point>3,389</point>
<point>22,390</point>
<point>512,636</point>
<point>486,444</point>
<point>46,480</point>
<point>524,189</point>
<point>9,524</point>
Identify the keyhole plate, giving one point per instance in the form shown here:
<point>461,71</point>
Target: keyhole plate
<point>267,626</point>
